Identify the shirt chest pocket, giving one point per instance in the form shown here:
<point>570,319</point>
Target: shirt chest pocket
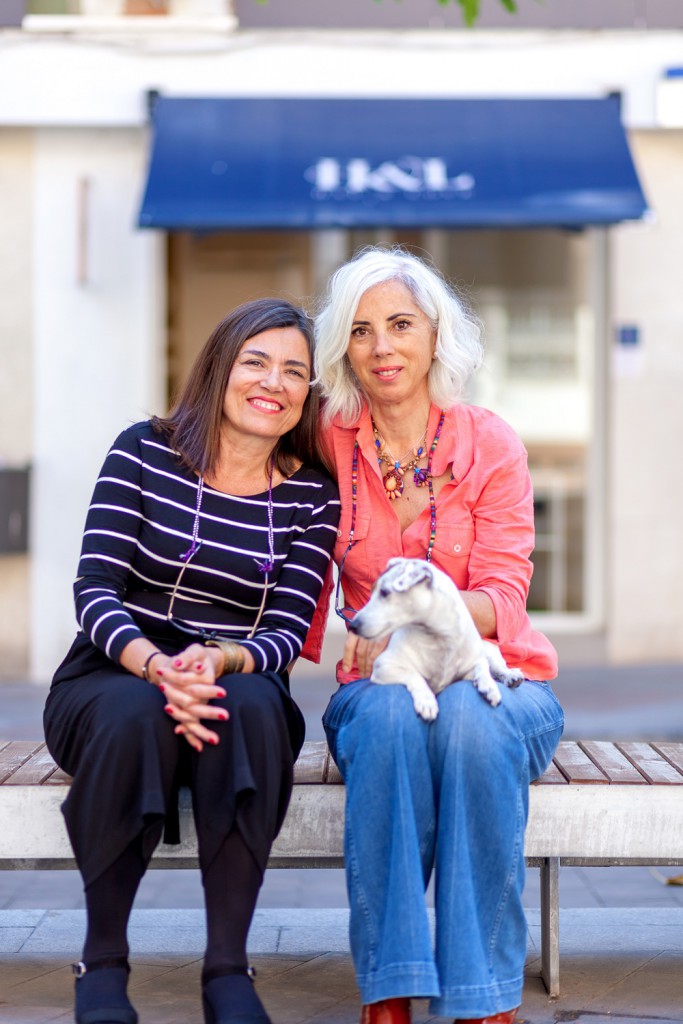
<point>452,548</point>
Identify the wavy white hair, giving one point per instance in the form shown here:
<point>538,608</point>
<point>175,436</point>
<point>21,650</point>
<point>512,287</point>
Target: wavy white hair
<point>459,350</point>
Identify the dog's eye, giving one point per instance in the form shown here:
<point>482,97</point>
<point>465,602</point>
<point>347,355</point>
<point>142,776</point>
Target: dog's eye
<point>384,591</point>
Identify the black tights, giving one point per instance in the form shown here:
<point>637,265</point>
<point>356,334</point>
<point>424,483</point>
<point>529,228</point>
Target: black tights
<point>109,901</point>
<point>231,886</point>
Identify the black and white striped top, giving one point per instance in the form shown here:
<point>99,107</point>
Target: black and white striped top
<point>140,521</point>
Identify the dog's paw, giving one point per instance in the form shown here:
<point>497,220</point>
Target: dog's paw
<point>489,691</point>
<point>426,706</point>
<point>512,677</point>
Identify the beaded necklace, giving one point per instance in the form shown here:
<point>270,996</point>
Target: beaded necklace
<point>430,484</point>
<point>393,478</point>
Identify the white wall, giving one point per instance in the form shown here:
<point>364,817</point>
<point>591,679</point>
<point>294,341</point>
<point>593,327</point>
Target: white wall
<point>16,363</point>
<point>646,425</point>
<point>98,350</point>
<point>102,79</point>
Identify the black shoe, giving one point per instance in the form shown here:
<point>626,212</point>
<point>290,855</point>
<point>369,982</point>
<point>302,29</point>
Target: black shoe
<point>101,993</point>
<point>232,999</point>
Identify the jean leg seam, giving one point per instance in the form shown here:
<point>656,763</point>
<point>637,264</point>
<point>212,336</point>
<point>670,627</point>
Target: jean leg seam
<point>534,733</point>
<point>353,868</point>
<point>509,881</point>
<point>363,905</point>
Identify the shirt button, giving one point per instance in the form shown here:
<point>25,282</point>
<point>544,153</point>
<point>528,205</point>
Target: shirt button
<point>456,547</point>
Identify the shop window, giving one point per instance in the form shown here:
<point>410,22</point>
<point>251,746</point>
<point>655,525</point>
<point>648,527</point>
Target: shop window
<point>557,584</point>
<point>532,292</point>
<point>541,341</point>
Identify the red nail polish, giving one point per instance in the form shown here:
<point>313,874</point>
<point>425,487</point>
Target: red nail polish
<point>223,717</point>
<point>178,663</point>
<point>221,693</point>
<point>199,666</point>
<point>168,709</point>
<point>162,687</point>
<point>214,740</point>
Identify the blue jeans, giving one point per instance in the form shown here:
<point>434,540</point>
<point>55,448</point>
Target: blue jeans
<point>451,795</point>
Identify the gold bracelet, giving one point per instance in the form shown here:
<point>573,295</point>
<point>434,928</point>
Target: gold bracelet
<point>233,655</point>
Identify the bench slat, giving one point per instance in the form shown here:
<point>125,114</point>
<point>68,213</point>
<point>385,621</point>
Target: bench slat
<point>35,771</point>
<point>332,773</point>
<point>14,755</point>
<point>310,765</point>
<point>552,776</point>
<point>651,763</point>
<point>673,752</point>
<point>613,763</point>
<point>576,766</point>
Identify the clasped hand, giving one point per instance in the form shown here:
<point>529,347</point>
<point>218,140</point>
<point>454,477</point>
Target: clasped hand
<point>188,682</point>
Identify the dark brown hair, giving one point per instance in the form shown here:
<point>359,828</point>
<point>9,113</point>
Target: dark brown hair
<point>193,424</point>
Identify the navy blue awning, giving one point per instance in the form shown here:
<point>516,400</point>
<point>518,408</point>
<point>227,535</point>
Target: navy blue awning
<point>318,163</point>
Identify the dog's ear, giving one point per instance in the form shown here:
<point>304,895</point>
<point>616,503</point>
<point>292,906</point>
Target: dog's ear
<point>413,573</point>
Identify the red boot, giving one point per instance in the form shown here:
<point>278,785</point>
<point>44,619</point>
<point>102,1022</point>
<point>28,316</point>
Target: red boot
<point>508,1017</point>
<point>386,1011</point>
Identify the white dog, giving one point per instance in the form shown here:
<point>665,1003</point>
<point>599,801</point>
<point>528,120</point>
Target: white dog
<point>433,642</point>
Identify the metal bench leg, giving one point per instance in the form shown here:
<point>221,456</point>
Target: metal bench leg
<point>550,925</point>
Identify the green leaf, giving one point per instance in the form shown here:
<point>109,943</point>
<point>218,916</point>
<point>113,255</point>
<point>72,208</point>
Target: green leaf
<point>470,10</point>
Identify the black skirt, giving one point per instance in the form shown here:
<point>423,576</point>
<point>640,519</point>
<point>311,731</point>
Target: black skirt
<point>108,729</point>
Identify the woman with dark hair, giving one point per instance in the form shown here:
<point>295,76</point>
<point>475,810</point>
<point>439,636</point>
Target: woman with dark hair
<point>205,550</point>
<point>424,475</point>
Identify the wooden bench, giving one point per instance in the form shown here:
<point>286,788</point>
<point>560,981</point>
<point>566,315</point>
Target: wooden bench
<point>599,803</point>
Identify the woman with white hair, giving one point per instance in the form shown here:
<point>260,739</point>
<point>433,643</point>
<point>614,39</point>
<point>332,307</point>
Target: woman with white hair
<point>424,475</point>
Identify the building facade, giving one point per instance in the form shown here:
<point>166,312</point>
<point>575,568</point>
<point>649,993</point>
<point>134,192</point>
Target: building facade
<point>102,315</point>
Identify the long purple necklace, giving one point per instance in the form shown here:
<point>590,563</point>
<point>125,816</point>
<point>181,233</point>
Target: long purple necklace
<point>264,567</point>
<point>430,485</point>
<point>267,565</point>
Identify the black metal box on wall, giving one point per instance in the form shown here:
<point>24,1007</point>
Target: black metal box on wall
<point>14,492</point>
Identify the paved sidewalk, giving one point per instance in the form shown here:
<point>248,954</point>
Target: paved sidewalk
<point>617,967</point>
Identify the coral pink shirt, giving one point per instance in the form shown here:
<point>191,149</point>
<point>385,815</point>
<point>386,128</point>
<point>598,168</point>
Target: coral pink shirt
<point>484,533</point>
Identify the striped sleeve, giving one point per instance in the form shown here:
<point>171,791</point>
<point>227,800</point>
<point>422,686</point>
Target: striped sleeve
<point>287,617</point>
<point>109,545</point>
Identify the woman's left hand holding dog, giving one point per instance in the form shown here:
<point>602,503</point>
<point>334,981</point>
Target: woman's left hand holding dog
<point>363,652</point>
<point>188,682</point>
